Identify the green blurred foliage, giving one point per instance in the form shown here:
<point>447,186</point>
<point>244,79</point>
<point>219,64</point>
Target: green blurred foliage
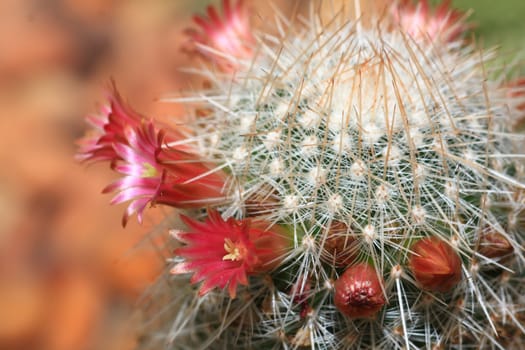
<point>498,23</point>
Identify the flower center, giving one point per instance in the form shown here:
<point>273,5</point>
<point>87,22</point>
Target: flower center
<point>236,250</point>
<point>149,170</point>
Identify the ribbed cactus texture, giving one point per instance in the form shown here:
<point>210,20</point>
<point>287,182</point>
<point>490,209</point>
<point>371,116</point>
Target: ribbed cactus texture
<point>389,162</point>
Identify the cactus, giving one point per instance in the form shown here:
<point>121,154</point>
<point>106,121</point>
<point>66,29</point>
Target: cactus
<point>351,185</point>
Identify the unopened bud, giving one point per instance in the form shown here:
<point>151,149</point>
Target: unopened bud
<point>358,292</point>
<point>340,246</point>
<point>435,264</point>
<point>494,245</point>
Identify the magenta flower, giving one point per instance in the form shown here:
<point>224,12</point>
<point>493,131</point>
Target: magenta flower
<point>223,253</point>
<point>155,173</point>
<point>108,128</point>
<point>420,22</point>
<point>229,36</point>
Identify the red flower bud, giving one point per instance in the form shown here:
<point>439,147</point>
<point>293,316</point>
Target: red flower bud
<point>358,292</point>
<point>436,266</point>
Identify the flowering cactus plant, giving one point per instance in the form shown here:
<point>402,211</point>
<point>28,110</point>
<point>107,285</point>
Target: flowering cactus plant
<point>346,185</point>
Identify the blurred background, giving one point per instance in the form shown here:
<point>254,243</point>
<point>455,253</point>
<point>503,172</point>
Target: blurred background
<point>69,273</point>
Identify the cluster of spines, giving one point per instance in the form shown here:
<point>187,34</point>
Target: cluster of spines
<point>382,155</point>
<point>283,126</point>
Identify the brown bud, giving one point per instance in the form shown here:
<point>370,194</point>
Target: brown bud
<point>358,292</point>
<point>340,247</point>
<point>436,266</point>
<point>262,202</point>
<point>494,245</point>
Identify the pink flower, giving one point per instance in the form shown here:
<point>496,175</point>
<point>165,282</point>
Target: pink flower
<point>229,36</point>
<point>358,292</point>
<point>223,253</point>
<point>436,266</point>
<point>108,128</point>
<point>420,22</point>
<point>155,173</point>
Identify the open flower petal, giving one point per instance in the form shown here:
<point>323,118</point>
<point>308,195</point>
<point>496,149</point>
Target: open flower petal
<point>155,173</point>
<point>108,128</point>
<point>223,253</point>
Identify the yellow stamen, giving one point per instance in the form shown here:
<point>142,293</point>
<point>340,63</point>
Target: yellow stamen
<point>234,253</point>
<point>149,170</point>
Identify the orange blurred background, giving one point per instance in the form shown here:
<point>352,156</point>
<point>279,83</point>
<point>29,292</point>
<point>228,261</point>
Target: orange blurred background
<point>69,273</point>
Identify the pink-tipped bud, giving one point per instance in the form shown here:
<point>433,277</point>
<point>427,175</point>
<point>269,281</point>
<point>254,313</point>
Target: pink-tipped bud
<point>358,292</point>
<point>436,266</point>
